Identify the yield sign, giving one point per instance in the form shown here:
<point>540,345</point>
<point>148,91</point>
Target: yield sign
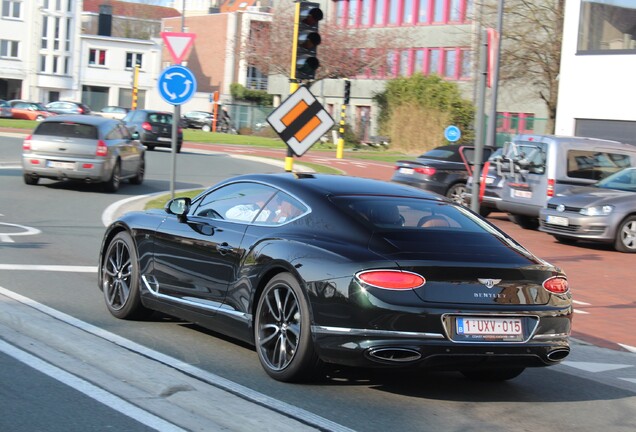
<point>178,44</point>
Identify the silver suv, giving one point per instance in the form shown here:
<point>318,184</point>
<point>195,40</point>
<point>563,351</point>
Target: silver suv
<point>84,148</point>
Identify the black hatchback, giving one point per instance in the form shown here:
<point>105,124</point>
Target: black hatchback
<point>153,127</point>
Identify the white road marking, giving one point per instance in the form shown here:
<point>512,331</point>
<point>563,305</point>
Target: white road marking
<point>595,367</point>
<point>631,380</point>
<point>628,348</point>
<point>581,303</point>
<point>90,390</point>
<point>6,236</point>
<point>56,268</point>
<point>581,312</point>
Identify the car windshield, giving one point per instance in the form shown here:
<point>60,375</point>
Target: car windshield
<point>624,180</point>
<point>66,129</point>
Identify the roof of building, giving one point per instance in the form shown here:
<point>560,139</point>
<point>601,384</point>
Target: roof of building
<point>139,10</point>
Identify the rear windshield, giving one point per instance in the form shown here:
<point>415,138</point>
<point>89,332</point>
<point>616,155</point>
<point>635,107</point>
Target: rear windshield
<point>66,129</point>
<point>159,118</point>
<point>443,154</point>
<point>402,213</point>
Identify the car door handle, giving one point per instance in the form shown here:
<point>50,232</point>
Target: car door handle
<point>224,248</point>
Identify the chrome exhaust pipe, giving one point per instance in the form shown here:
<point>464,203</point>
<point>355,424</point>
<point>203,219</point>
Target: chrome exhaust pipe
<point>558,354</point>
<point>395,355</point>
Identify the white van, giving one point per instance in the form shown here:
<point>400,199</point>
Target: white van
<point>537,167</point>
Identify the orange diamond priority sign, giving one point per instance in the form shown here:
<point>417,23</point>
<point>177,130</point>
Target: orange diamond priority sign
<point>300,120</point>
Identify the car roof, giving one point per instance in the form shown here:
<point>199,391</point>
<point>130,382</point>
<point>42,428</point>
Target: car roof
<point>85,119</point>
<point>330,184</point>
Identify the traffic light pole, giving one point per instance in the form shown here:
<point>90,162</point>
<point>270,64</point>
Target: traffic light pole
<point>293,83</point>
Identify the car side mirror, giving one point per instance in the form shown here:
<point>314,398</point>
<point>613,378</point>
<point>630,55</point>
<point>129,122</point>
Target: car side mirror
<point>179,207</point>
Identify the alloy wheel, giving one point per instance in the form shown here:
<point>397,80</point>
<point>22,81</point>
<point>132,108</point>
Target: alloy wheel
<point>118,274</point>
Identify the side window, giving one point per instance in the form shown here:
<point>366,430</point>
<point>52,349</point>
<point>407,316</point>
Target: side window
<point>595,165</point>
<point>237,202</point>
<point>281,209</point>
<point>125,133</point>
<point>114,134</point>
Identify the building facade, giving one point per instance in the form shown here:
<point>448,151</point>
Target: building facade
<point>598,61</point>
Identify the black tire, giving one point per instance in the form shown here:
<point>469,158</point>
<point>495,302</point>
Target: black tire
<point>455,193</point>
<point>565,240</point>
<point>493,375</point>
<point>626,235</point>
<point>150,147</point>
<point>120,279</point>
<point>31,179</point>
<point>112,185</point>
<point>282,331</point>
<point>526,222</point>
<point>141,170</point>
<point>206,128</point>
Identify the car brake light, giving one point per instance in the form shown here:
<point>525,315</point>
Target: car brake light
<point>429,171</point>
<point>80,110</point>
<point>102,149</point>
<point>557,285</point>
<point>391,279</point>
<point>550,190</point>
<point>26,144</point>
<point>146,126</point>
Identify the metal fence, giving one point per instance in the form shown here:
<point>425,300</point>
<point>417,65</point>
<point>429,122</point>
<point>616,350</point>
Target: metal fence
<point>249,116</point>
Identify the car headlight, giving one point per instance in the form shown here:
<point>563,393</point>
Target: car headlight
<point>597,210</point>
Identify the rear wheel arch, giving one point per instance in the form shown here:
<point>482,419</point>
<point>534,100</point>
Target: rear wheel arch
<point>619,245</point>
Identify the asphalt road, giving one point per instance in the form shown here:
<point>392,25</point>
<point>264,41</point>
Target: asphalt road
<point>173,371</point>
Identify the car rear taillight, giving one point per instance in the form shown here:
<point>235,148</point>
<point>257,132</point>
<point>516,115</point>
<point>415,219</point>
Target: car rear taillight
<point>102,149</point>
<point>26,144</point>
<point>556,285</point>
<point>80,110</point>
<point>146,126</point>
<point>391,279</point>
<point>429,171</point>
<point>550,190</point>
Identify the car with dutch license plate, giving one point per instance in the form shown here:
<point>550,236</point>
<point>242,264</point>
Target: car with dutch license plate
<point>154,128</point>
<point>602,212</point>
<point>83,148</point>
<point>443,170</point>
<point>316,270</point>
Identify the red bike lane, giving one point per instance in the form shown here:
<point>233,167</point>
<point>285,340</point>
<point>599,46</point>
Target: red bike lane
<point>603,281</point>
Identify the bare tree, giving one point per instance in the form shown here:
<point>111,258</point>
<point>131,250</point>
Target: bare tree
<point>342,53</point>
<point>530,46</point>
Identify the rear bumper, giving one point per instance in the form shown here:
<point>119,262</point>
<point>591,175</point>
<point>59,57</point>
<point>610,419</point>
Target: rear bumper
<point>83,169</point>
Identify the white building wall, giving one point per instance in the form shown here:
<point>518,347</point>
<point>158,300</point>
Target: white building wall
<point>114,74</point>
<point>592,86</point>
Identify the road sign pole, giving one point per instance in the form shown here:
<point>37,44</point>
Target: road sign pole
<point>176,118</point>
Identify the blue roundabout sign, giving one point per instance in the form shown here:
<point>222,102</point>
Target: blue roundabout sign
<point>452,133</point>
<point>177,85</point>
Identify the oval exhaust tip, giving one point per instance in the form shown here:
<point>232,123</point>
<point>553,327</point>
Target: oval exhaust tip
<point>558,354</point>
<point>395,355</point>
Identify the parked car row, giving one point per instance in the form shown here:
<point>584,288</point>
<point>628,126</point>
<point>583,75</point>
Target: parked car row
<point>574,188</point>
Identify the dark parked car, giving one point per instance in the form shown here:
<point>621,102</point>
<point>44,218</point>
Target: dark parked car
<point>315,269</point>
<point>443,170</point>
<point>84,148</point>
<point>603,212</point>
<point>198,120</point>
<point>65,107</point>
<point>491,188</point>
<point>153,127</point>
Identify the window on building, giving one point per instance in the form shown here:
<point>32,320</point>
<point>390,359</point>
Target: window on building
<point>11,9</point>
<point>340,13</point>
<point>422,11</point>
<point>42,63</point>
<point>352,15</point>
<point>391,63</point>
<point>56,60</point>
<point>450,64</point>
<point>394,6</point>
<point>45,32</point>
<point>68,35</point>
<point>379,12</point>
<point>607,27</point>
<point>438,10</point>
<point>133,59</point>
<point>67,63</point>
<point>407,12</point>
<point>366,12</point>
<point>9,49</point>
<point>418,61</point>
<point>97,57</point>
<point>466,66</point>
<point>404,63</point>
<point>434,61</point>
<point>455,10</point>
<point>56,37</point>
<point>69,5</point>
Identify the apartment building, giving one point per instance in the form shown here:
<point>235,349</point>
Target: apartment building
<point>39,48</point>
<point>598,60</point>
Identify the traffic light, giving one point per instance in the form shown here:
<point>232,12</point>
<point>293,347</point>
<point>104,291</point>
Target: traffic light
<point>307,40</point>
<point>347,92</point>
